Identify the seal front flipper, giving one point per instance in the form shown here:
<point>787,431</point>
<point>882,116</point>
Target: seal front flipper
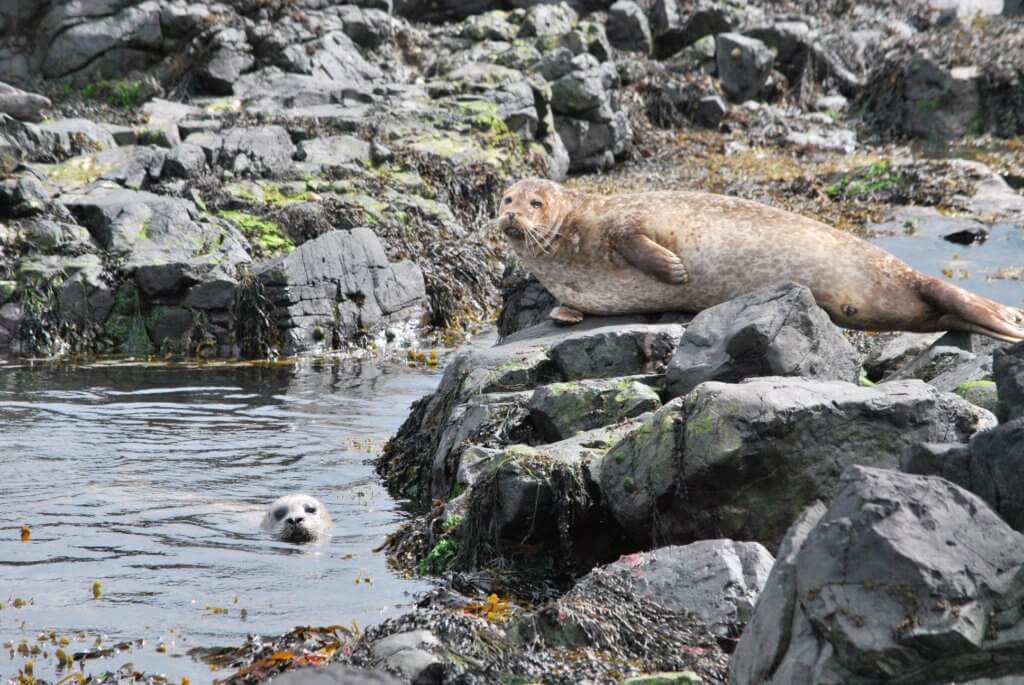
<point>651,258</point>
<point>566,315</point>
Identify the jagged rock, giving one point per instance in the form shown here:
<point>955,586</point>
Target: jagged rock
<point>903,579</point>
<point>548,20</point>
<point>185,161</point>
<point>743,65</point>
<point>333,57</point>
<point>231,56</point>
<point>775,331</point>
<point>594,146</point>
<point>628,28</point>
<point>525,301</point>
<point>23,196</point>
<point>45,235</point>
<point>1008,370</point>
<point>717,581</point>
<point>339,284</point>
<point>560,410</point>
<point>896,353</point>
<point>370,27</point>
<point>710,111</point>
<point>21,105</point>
<point>263,149</point>
<point>741,460</point>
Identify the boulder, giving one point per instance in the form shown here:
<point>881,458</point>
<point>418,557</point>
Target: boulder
<point>545,19</point>
<point>895,353</point>
<point>775,331</point>
<point>339,284</point>
<point>333,151</point>
<point>903,578</point>
<point>628,28</point>
<point>257,149</point>
<point>744,65</point>
<point>185,161</point>
<point>1008,370</point>
<point>561,410</point>
<point>742,460</point>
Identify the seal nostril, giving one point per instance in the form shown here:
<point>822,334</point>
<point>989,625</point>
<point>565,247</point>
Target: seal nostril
<point>296,520</point>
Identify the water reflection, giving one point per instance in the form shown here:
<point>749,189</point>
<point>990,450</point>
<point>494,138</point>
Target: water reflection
<point>153,482</point>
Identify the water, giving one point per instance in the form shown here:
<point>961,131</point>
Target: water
<point>153,482</point>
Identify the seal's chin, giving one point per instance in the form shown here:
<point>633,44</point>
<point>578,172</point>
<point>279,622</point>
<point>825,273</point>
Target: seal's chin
<point>296,534</point>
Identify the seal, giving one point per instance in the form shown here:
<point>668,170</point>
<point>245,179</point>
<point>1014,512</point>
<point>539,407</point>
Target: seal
<point>297,518</point>
<point>687,251</point>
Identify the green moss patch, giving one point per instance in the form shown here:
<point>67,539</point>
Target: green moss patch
<point>120,93</point>
<point>265,236</point>
<point>864,182</point>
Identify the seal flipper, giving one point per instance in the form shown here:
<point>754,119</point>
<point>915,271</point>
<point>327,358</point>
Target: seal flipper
<point>961,310</point>
<point>651,258</point>
<point>566,315</point>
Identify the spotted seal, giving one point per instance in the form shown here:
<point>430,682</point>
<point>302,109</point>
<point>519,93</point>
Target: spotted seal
<point>686,251</point>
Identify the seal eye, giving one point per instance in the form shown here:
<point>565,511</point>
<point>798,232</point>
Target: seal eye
<point>310,509</point>
<point>508,200</point>
<point>536,204</point>
<point>279,513</point>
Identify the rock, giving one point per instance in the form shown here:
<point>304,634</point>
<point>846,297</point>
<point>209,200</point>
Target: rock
<point>710,111</point>
<point>185,161</point>
<point>560,410</point>
<point>1008,370</point>
<point>525,301</point>
<point>904,578</point>
<point>493,25</point>
<point>21,105</point>
<point>548,20</point>
<point>219,293</point>
<point>775,331</point>
<point>980,393</point>
<point>404,653</point>
<point>628,28</point>
<point>678,678</point>
<point>339,284</point>
<point>370,27</point>
<point>614,352</point>
<point>231,56</point>
<point>940,101</point>
<point>717,581</point>
<point>333,151</point>
<point>334,674</point>
<point>68,137</point>
<point>741,460</point>
<point>264,149</point>
<point>584,94</point>
<point>896,353</point>
<point>743,65</point>
<point>46,236</point>
<point>23,196</point>
<point>594,146</point>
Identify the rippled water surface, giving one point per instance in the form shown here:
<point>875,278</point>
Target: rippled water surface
<point>153,481</point>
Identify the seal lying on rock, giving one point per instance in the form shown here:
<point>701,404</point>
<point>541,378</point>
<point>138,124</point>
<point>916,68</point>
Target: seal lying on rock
<point>686,251</point>
<point>297,518</point>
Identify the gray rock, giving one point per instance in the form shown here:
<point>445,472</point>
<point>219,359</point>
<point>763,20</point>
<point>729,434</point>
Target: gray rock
<point>615,351</point>
<point>340,283</point>
<point>741,460</point>
<point>717,581</point>
<point>333,57</point>
<point>231,56</point>
<point>743,65</point>
<point>370,27</point>
<point>94,43</point>
<point>548,20</point>
<point>710,111</point>
<point>22,105</point>
<point>23,195</point>
<point>405,654</point>
<point>134,166</point>
<point>268,149</point>
<point>219,293</point>
<point>185,161</point>
<point>525,301</point>
<point>938,100</point>
<point>561,410</point>
<point>168,326</point>
<point>493,25</point>
<point>47,236</point>
<point>1008,370</point>
<point>123,135</point>
<point>334,151</point>
<point>582,94</point>
<point>628,28</point>
<point>775,331</point>
<point>70,137</point>
<point>785,38</point>
<point>594,146</point>
<point>903,579</point>
<point>897,353</point>
<point>334,674</point>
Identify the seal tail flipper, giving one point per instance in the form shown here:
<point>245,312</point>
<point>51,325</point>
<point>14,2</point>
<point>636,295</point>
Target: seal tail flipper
<point>960,310</point>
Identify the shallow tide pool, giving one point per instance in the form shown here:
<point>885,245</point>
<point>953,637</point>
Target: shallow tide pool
<point>152,481</point>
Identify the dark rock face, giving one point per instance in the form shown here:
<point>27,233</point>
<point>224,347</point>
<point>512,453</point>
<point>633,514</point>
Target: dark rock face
<point>742,460</point>
<point>778,331</point>
<point>902,577</point>
<point>1008,369</point>
<point>340,284</point>
<point>743,65</point>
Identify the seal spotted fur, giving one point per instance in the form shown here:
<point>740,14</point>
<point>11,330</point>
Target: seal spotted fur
<point>686,251</point>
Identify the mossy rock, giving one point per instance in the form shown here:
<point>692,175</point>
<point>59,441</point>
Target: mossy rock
<point>981,394</point>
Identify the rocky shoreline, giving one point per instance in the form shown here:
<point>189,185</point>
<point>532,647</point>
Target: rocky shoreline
<point>748,495</point>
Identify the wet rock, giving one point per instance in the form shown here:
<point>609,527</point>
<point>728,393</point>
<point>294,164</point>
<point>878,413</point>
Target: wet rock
<point>560,410</point>
<point>259,149</point>
<point>22,105</point>
<point>743,65</point>
<point>1008,371</point>
<point>615,351</point>
<point>404,653</point>
<point>741,460</point>
<point>525,301</point>
<point>628,28</point>
<point>334,674</point>
<point>339,285</point>
<point>219,293</point>
<point>902,577</point>
<point>185,161</point>
<point>776,331</point>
